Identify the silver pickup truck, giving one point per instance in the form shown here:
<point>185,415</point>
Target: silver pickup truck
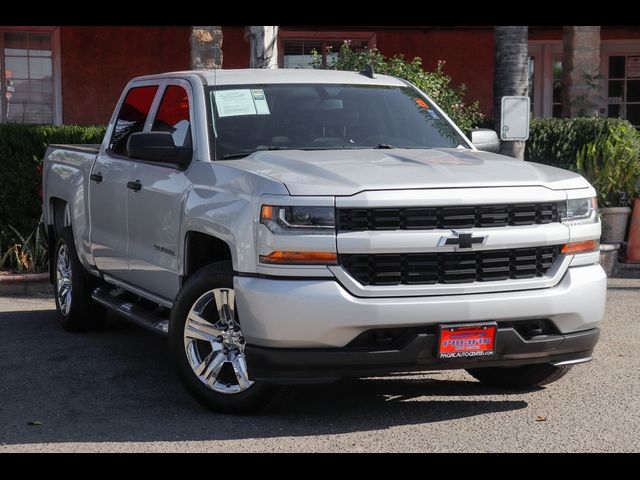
<point>295,226</point>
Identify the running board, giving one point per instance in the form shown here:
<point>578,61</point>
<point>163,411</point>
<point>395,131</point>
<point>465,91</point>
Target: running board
<point>130,311</point>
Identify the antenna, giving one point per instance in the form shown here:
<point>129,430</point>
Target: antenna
<point>367,71</point>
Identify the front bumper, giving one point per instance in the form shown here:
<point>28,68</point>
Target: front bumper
<point>322,314</point>
<point>320,365</point>
<point>301,331</point>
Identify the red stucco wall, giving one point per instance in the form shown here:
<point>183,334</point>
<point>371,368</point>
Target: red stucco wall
<point>97,62</point>
<point>235,49</point>
<point>468,54</point>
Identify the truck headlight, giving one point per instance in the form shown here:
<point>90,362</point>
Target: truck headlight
<point>579,211</point>
<point>297,220</point>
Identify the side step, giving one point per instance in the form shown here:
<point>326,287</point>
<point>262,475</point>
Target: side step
<point>130,311</point>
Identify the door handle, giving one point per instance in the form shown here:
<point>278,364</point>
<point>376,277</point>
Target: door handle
<point>96,177</point>
<point>135,186</point>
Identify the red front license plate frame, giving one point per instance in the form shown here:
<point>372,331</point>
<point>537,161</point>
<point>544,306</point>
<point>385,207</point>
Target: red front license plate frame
<point>467,341</point>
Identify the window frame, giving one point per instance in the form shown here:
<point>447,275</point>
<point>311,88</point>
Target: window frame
<point>614,48</point>
<point>56,63</point>
<point>322,36</point>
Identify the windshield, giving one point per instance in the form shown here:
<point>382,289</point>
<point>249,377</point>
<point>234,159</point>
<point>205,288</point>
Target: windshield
<point>250,118</point>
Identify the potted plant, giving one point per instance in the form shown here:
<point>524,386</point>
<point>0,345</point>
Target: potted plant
<point>612,164</point>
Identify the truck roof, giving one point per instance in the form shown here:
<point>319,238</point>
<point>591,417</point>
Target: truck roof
<point>280,75</point>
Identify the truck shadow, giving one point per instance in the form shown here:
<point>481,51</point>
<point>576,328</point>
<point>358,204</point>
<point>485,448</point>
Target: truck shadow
<point>117,385</point>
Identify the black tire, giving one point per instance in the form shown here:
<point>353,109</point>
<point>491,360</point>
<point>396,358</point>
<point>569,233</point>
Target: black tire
<point>255,397</point>
<point>527,376</point>
<point>82,312</point>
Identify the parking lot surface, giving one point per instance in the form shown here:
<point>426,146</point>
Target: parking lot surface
<point>114,390</point>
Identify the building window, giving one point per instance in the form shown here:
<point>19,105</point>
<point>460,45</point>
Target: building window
<point>26,65</point>
<point>624,88</point>
<point>296,48</point>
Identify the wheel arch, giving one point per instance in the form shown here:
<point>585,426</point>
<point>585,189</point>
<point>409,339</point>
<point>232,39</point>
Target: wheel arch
<point>202,249</point>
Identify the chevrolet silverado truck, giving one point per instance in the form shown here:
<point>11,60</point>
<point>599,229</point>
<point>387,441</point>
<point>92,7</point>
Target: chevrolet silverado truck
<point>293,226</point>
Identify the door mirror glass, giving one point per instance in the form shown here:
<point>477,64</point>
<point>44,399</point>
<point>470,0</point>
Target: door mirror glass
<point>158,147</point>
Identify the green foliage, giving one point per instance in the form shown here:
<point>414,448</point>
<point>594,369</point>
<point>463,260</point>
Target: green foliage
<point>436,84</point>
<point>612,165</point>
<point>22,148</point>
<point>28,256</point>
<point>606,151</point>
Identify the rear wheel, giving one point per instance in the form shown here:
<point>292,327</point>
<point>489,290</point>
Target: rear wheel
<point>208,345</point>
<point>76,310</point>
<point>527,376</point>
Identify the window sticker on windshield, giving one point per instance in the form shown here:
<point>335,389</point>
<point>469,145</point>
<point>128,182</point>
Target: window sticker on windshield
<point>260,101</point>
<point>232,103</point>
<point>421,103</point>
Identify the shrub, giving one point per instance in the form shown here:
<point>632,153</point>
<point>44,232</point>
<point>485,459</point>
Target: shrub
<point>556,141</point>
<point>22,148</point>
<point>436,84</point>
<point>606,151</point>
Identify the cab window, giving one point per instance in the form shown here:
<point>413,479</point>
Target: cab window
<point>132,117</point>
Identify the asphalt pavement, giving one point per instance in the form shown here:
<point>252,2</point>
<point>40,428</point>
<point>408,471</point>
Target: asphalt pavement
<point>114,390</point>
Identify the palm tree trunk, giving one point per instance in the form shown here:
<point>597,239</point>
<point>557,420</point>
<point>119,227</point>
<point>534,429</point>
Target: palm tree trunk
<point>264,46</point>
<point>581,72</point>
<point>511,75</point>
<point>206,47</point>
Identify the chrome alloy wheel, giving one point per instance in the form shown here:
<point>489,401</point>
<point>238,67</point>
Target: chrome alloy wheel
<point>214,343</point>
<point>63,279</point>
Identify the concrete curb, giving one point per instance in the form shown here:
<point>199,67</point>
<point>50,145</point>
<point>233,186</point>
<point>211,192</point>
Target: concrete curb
<point>25,284</point>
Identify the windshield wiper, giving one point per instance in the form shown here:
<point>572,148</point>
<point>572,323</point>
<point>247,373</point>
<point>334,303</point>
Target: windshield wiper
<point>246,153</point>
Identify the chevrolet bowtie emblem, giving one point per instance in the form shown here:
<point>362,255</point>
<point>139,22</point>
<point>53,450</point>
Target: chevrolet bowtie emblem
<point>462,240</point>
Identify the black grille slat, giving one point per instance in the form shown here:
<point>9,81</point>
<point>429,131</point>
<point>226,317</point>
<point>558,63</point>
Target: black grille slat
<point>431,218</point>
<point>449,267</point>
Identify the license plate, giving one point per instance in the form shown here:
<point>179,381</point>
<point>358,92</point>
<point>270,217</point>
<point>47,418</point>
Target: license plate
<point>467,341</point>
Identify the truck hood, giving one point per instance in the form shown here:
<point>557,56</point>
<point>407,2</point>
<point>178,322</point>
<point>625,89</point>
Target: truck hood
<point>347,172</point>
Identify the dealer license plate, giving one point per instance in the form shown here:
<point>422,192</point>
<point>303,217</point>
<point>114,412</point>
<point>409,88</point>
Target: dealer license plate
<point>467,341</point>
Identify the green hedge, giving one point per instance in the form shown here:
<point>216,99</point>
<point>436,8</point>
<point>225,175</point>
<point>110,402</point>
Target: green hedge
<point>606,151</point>
<point>556,141</point>
<point>22,148</point>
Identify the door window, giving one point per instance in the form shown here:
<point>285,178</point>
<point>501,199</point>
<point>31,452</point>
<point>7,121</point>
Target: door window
<point>173,116</point>
<point>132,117</point>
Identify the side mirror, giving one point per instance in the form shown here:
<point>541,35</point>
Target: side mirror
<point>158,147</point>
<point>485,139</point>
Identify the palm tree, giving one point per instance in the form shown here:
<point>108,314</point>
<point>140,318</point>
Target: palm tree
<point>264,46</point>
<point>511,75</point>
<point>581,95</point>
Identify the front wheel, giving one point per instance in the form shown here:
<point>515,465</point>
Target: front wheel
<point>207,344</point>
<point>527,376</point>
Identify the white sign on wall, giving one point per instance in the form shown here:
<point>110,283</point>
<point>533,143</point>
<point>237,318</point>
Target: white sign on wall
<point>633,67</point>
<point>514,121</point>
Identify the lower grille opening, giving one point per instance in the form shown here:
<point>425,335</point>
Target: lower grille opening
<point>396,338</point>
<point>451,267</point>
<point>529,329</point>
